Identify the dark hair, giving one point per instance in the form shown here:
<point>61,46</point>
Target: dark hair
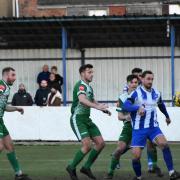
<point>136,70</point>
<point>131,77</point>
<point>146,72</point>
<point>7,69</point>
<point>84,67</point>
<point>54,67</point>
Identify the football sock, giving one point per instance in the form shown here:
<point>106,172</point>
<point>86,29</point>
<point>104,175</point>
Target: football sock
<point>14,162</point>
<point>137,167</point>
<point>77,159</point>
<point>92,157</point>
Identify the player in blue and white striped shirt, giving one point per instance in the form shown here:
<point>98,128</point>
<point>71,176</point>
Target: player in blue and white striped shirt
<point>151,148</point>
<point>142,105</point>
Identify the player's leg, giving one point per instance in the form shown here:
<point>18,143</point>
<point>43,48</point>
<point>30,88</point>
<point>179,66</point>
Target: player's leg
<point>157,136</point>
<point>152,159</point>
<point>139,138</point>
<point>81,153</point>
<point>1,138</point>
<point>115,159</point>
<point>136,163</point>
<point>11,155</point>
<point>151,156</point>
<point>81,132</point>
<point>123,146</point>
<point>95,151</point>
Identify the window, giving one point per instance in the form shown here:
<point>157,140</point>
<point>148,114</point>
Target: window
<point>174,9</point>
<point>97,12</point>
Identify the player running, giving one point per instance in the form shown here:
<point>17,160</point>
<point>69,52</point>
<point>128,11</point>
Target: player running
<point>151,148</point>
<point>8,78</point>
<point>83,127</point>
<point>126,133</point>
<point>142,105</point>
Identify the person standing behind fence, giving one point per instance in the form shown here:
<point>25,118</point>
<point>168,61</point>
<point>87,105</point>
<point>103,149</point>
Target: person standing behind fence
<point>44,75</point>
<point>22,98</point>
<point>53,82</point>
<point>54,97</point>
<point>59,78</point>
<point>42,94</point>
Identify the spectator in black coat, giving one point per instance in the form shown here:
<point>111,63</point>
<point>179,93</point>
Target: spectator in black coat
<point>44,75</point>
<point>59,78</point>
<point>53,82</point>
<point>42,94</point>
<point>22,98</point>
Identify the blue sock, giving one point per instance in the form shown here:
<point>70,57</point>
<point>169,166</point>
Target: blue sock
<point>137,167</point>
<point>168,158</point>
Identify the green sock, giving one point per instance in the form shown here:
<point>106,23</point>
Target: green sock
<point>77,159</point>
<point>14,162</point>
<point>92,157</point>
<point>153,154</point>
<point>114,163</point>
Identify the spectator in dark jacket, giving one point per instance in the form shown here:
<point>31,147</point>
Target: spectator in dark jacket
<point>59,78</point>
<point>44,75</point>
<point>22,98</point>
<point>52,82</point>
<point>42,94</point>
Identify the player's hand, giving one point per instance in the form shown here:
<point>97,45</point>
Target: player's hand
<point>21,110</point>
<point>128,117</point>
<point>107,112</point>
<point>168,121</point>
<point>141,111</point>
<point>102,107</point>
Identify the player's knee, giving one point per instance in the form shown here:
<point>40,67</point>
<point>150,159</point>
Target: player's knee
<point>136,155</point>
<point>163,145</point>
<point>86,147</point>
<point>100,145</point>
<point>9,148</point>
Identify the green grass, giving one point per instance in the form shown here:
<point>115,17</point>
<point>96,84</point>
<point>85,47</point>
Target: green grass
<point>43,162</point>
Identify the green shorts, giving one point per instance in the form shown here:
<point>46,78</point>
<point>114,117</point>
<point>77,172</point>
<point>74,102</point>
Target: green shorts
<point>126,133</point>
<point>83,127</point>
<point>3,130</point>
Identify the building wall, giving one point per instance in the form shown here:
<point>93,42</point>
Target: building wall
<point>32,8</point>
<point>29,8</point>
<point>6,8</point>
<point>111,66</point>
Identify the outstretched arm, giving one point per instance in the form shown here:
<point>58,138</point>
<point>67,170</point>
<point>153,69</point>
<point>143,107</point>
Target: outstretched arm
<point>13,109</point>
<point>129,106</point>
<point>83,100</point>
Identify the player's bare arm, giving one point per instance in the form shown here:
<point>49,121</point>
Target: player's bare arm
<point>13,109</point>
<point>86,102</point>
<point>105,111</point>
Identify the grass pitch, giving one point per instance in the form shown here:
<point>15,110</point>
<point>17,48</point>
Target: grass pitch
<point>48,162</point>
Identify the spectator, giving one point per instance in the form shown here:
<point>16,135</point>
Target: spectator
<point>42,94</point>
<point>22,98</point>
<point>53,82</point>
<point>44,75</point>
<point>59,78</point>
<point>54,97</point>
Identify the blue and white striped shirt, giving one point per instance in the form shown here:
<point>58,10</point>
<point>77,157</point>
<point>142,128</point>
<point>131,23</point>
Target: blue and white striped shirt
<point>149,100</point>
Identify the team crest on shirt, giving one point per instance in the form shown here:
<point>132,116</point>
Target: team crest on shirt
<point>2,88</point>
<point>81,88</point>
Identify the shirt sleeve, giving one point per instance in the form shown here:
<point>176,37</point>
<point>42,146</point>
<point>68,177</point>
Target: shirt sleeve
<point>129,105</point>
<point>81,89</point>
<point>162,107</point>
